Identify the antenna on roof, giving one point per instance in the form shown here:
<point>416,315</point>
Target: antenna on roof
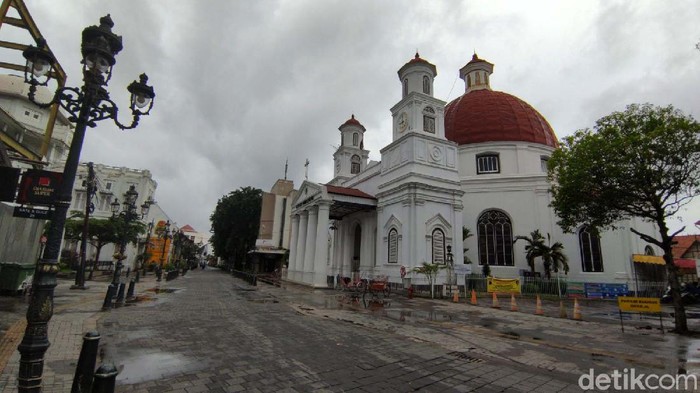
<point>286,165</point>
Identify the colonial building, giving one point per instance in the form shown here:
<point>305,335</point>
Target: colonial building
<point>476,163</point>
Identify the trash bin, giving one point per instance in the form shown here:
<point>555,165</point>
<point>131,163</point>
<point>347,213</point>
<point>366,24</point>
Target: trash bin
<point>15,277</point>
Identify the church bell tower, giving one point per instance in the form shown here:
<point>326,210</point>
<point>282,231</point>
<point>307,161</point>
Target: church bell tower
<point>351,157</point>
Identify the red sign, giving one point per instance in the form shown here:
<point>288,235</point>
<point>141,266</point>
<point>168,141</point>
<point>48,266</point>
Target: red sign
<point>39,187</point>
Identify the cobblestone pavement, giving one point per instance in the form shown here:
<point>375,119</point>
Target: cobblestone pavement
<point>210,332</point>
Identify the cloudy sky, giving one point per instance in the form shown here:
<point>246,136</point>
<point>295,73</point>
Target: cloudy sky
<point>243,86</point>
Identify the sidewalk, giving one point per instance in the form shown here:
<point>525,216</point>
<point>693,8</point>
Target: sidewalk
<point>75,313</point>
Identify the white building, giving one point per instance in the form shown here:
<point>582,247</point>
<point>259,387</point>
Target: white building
<point>478,162</point>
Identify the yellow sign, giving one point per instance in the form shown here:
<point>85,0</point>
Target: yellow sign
<point>639,304</point>
<point>502,285</point>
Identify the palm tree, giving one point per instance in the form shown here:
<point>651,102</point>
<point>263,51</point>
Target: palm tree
<point>553,257</point>
<point>533,248</point>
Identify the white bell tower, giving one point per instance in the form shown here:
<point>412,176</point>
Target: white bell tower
<point>351,157</point>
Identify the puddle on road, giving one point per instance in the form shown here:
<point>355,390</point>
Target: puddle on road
<point>689,357</point>
<point>163,290</point>
<point>152,366</point>
<point>417,315</point>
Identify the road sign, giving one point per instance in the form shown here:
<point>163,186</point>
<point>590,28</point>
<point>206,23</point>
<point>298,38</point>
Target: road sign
<point>639,304</point>
<point>30,212</point>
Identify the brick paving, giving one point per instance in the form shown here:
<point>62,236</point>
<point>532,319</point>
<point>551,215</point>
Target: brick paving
<point>214,333</point>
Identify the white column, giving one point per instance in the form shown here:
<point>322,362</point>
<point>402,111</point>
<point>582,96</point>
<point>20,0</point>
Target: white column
<point>310,246</point>
<point>321,253</point>
<point>293,243</point>
<point>301,243</point>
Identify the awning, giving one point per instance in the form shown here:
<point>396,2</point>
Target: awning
<point>653,259</point>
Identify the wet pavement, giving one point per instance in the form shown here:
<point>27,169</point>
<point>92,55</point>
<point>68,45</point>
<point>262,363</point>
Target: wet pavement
<point>210,332</point>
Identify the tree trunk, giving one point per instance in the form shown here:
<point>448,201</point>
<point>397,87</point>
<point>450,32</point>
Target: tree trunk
<point>678,307</point>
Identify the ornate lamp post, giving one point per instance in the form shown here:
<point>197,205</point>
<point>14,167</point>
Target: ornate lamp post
<point>86,106</point>
<point>145,247</point>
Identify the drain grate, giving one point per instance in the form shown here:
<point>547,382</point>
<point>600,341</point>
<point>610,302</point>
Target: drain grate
<point>466,357</point>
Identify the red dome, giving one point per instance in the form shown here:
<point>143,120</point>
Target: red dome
<point>352,122</point>
<point>494,116</point>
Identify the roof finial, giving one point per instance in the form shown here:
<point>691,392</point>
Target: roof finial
<point>352,116</point>
<point>417,54</point>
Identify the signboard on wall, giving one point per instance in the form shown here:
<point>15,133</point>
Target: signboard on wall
<point>605,291</point>
<point>502,285</point>
<point>39,187</point>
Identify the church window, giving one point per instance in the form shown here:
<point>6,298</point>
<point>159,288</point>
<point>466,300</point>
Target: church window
<point>429,120</point>
<point>494,231</point>
<point>544,161</point>
<point>469,81</point>
<point>478,78</point>
<point>355,139</point>
<point>393,246</point>
<point>355,164</point>
<point>405,87</point>
<point>426,85</point>
<point>591,255</point>
<point>486,78</point>
<point>649,250</point>
<point>487,163</point>
<point>438,246</point>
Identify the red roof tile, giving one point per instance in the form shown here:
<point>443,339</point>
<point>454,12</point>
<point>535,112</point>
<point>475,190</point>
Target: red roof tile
<point>352,122</point>
<point>683,243</point>
<point>187,228</point>
<point>348,191</point>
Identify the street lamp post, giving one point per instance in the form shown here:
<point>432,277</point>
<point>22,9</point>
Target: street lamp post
<point>164,234</point>
<point>145,248</point>
<point>86,106</point>
<point>90,190</point>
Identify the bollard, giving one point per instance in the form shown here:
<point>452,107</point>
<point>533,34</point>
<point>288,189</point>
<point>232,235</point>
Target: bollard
<point>120,295</point>
<point>105,379</point>
<point>111,289</point>
<point>138,275</point>
<point>86,363</point>
<point>130,292</point>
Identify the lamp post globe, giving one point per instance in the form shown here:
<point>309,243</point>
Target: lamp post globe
<point>85,107</point>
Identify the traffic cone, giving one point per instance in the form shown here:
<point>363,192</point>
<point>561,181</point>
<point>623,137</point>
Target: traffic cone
<point>473,300</point>
<point>538,309</point>
<point>513,305</point>
<point>455,297</point>
<point>495,301</point>
<point>562,310</point>
<point>577,311</point>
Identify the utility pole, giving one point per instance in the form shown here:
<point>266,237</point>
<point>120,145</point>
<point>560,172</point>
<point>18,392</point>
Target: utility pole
<point>89,208</point>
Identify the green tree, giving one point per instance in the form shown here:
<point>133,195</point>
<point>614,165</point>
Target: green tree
<point>466,234</point>
<point>553,257</point>
<point>430,271</point>
<point>234,225</point>
<point>642,162</point>
<point>101,232</point>
<point>533,248</point>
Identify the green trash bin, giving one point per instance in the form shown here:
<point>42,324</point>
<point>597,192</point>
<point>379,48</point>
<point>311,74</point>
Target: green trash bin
<point>15,277</point>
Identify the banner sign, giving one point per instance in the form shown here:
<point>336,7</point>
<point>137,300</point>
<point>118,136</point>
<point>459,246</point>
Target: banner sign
<point>39,187</point>
<point>639,304</point>
<point>575,290</point>
<point>30,212</point>
<point>9,177</point>
<point>502,285</point>
<point>605,291</point>
<point>464,269</point>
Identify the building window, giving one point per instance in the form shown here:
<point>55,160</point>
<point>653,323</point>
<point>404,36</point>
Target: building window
<point>469,80</point>
<point>426,85</point>
<point>487,163</point>
<point>355,164</point>
<point>494,231</point>
<point>108,186</point>
<point>405,87</point>
<point>393,246</point>
<point>429,120</point>
<point>649,250</point>
<point>355,139</point>
<point>591,256</point>
<point>438,246</point>
<point>544,161</point>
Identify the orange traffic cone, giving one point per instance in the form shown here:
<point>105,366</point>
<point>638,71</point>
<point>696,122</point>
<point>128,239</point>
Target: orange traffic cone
<point>495,301</point>
<point>577,311</point>
<point>562,310</point>
<point>455,297</point>
<point>513,305</point>
<point>473,300</point>
<point>538,309</point>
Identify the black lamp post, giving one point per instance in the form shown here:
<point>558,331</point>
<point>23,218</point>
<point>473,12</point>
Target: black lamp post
<point>145,244</point>
<point>86,106</point>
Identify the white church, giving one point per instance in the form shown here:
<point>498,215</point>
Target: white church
<point>478,162</point>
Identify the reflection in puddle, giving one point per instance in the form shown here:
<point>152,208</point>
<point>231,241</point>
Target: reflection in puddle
<point>162,290</point>
<point>151,366</point>
<point>417,315</point>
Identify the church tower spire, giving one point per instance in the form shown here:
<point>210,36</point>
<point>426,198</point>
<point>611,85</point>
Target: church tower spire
<point>476,74</point>
<point>351,157</point>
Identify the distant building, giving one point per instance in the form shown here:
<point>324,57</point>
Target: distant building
<point>201,239</point>
<point>272,244</point>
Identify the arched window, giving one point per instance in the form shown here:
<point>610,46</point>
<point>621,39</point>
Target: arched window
<point>355,164</point>
<point>393,250</point>
<point>495,234</point>
<point>469,80</point>
<point>426,85</point>
<point>649,250</point>
<point>355,138</point>
<point>429,120</point>
<point>405,87</point>
<point>591,256</point>
<point>478,78</point>
<point>438,246</point>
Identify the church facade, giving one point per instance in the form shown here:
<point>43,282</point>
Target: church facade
<point>476,165</point>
